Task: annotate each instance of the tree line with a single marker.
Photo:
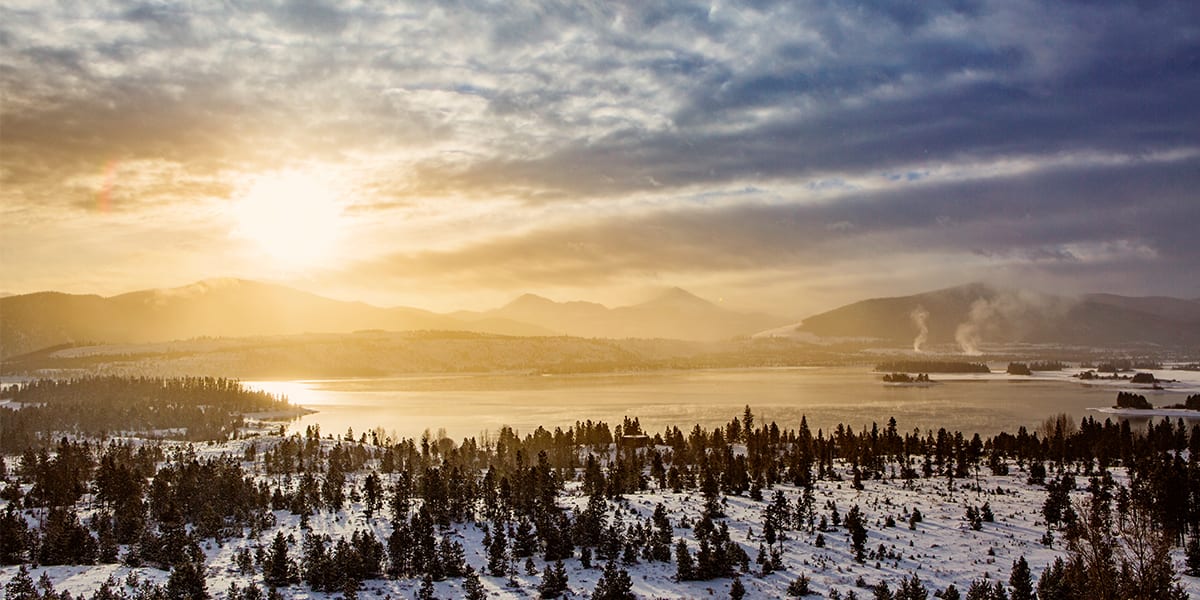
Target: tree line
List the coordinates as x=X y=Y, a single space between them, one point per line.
x=190 y=408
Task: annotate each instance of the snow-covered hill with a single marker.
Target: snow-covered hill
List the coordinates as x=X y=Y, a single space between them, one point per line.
x=942 y=548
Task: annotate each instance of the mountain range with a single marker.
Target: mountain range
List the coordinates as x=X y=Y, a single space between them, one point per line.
x=237 y=307
x=965 y=316
x=676 y=314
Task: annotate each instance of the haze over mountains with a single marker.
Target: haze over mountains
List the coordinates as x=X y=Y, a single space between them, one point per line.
x=676 y=314
x=235 y=308
x=974 y=314
x=964 y=316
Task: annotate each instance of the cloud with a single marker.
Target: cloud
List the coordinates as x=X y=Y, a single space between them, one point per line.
x=614 y=141
x=1077 y=216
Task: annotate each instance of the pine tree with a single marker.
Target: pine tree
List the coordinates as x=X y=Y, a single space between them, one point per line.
x=973 y=518
x=998 y=592
x=21 y=587
x=110 y=590
x=764 y=561
x=452 y=557
x=277 y=568
x=525 y=542
x=684 y=569
x=472 y=587
x=548 y=587
x=911 y=588
x=65 y=541
x=426 y=591
x=950 y=593
x=400 y=547
x=882 y=591
x=46 y=586
x=980 y=590
x=1021 y=580
x=858 y=532
x=799 y=587
x=106 y=541
x=554 y=581
x=557 y=537
x=1052 y=585
x=14 y=536
x=614 y=584
x=737 y=591
x=187 y=582
x=560 y=573
x=497 y=553
x=372 y=494
x=317 y=567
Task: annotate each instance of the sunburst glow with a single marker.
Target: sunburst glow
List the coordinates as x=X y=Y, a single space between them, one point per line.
x=295 y=218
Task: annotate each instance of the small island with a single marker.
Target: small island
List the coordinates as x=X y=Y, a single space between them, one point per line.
x=1141 y=378
x=906 y=380
x=1192 y=403
x=1017 y=368
x=1092 y=375
x=1130 y=404
x=1029 y=368
x=1132 y=400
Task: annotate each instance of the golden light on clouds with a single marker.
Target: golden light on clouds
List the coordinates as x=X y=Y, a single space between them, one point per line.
x=294 y=217
x=798 y=154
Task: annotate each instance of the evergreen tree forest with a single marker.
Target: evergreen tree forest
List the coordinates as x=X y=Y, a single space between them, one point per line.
x=191 y=408
x=427 y=506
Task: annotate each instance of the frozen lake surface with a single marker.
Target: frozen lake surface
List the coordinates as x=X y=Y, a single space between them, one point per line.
x=467 y=405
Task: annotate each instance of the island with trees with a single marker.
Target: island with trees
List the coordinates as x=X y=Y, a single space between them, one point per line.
x=920 y=379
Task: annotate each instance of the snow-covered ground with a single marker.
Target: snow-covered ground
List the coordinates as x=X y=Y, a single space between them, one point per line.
x=942 y=549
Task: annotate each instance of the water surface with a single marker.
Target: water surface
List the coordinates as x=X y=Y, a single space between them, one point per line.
x=467 y=405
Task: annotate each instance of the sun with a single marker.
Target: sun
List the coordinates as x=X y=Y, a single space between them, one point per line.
x=295 y=218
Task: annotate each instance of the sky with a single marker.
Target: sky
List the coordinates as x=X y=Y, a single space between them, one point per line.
x=782 y=156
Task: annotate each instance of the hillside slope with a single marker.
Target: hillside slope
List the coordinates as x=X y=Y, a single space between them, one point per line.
x=977 y=313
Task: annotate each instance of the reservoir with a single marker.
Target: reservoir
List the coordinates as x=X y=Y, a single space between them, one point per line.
x=469 y=405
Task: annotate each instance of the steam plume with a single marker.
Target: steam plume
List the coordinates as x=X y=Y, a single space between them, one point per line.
x=1006 y=316
x=969 y=332
x=918 y=316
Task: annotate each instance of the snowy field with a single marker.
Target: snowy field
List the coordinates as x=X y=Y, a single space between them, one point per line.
x=942 y=549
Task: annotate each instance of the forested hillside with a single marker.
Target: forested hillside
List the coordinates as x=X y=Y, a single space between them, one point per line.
x=1092 y=510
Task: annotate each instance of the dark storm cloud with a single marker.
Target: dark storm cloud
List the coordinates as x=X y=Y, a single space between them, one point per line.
x=1131 y=92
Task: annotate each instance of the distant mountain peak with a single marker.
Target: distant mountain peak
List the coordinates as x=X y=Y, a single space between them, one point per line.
x=528 y=301
x=679 y=296
x=972 y=289
x=205 y=286
x=216 y=283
